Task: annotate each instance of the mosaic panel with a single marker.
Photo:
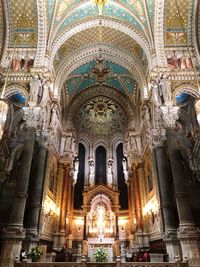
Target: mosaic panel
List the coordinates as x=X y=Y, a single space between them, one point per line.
x=23 y=23
x=100 y=36
x=100 y=72
x=177 y=20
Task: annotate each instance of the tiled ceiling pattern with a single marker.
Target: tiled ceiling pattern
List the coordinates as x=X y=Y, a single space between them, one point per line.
x=100 y=72
x=100 y=36
x=23 y=23
x=1 y=26
x=63 y=14
x=176 y=22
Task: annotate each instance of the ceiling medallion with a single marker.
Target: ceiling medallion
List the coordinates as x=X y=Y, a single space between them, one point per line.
x=100 y=4
x=100 y=71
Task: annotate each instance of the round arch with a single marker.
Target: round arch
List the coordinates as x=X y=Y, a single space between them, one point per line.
x=69 y=32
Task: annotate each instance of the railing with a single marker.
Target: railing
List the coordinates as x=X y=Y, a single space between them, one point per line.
x=154 y=264
x=104 y=264
x=48 y=264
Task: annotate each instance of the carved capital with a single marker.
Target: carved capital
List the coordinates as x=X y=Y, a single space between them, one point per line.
x=14 y=232
x=187 y=231
x=44 y=137
x=157 y=137
x=31 y=116
x=170 y=235
x=170 y=115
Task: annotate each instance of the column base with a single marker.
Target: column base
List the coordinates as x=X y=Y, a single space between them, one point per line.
x=190 y=243
x=32 y=239
x=172 y=245
x=10 y=252
x=12 y=236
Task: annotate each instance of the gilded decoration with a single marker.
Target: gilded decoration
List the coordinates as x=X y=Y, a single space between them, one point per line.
x=177 y=22
x=101 y=116
x=23 y=16
x=100 y=72
x=103 y=36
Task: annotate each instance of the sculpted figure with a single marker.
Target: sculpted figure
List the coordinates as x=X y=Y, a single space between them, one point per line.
x=110 y=172
x=165 y=90
x=125 y=169
x=44 y=93
x=91 y=171
x=76 y=169
x=35 y=86
x=155 y=93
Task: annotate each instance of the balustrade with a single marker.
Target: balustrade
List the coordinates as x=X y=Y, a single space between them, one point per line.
x=104 y=264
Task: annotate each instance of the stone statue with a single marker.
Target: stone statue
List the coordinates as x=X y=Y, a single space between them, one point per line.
x=53 y=119
x=44 y=93
x=110 y=172
x=155 y=93
x=35 y=87
x=161 y=90
x=165 y=90
x=76 y=170
x=91 y=171
x=125 y=169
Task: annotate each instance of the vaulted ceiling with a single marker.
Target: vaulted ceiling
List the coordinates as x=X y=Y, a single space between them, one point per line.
x=85 y=47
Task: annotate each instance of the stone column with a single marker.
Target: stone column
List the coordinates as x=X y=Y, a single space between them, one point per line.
x=166 y=196
x=131 y=205
x=14 y=233
x=138 y=211
x=187 y=232
x=32 y=232
x=64 y=206
x=70 y=211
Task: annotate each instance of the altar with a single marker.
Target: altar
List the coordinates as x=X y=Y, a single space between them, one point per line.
x=100 y=242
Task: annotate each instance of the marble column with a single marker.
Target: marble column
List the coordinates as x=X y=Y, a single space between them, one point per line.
x=187 y=232
x=138 y=211
x=70 y=212
x=166 y=198
x=14 y=233
x=131 y=205
x=64 y=205
x=32 y=232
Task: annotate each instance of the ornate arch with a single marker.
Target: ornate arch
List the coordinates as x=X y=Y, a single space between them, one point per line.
x=42 y=34
x=110 y=55
x=90 y=93
x=196 y=29
x=95 y=23
x=118 y=4
x=15 y=88
x=159 y=33
x=3 y=29
x=186 y=88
